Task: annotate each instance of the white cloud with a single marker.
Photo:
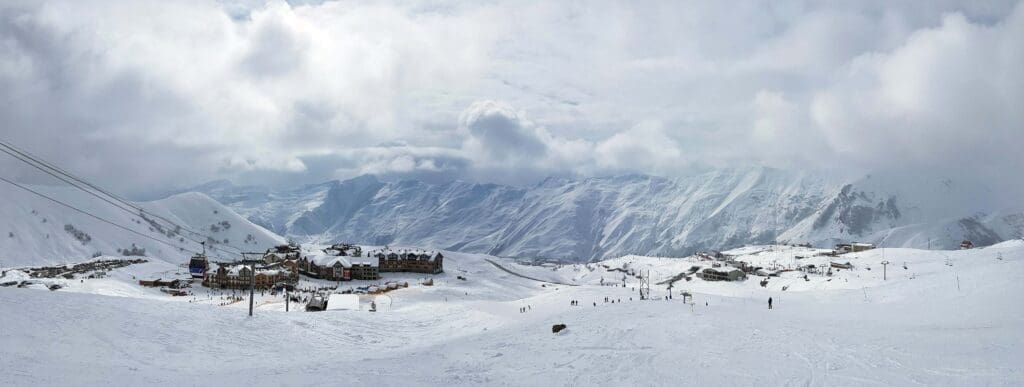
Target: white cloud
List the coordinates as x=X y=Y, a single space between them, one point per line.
x=645 y=147
x=496 y=133
x=505 y=91
x=949 y=97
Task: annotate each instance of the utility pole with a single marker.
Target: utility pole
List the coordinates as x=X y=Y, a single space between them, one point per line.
x=252 y=286
x=884 y=265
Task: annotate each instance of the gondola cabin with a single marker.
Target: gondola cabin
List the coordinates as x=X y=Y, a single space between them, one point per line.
x=198 y=265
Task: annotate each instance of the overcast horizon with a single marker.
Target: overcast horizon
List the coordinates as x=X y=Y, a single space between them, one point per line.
x=150 y=96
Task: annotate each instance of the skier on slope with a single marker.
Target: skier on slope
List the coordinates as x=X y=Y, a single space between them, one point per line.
x=769 y=303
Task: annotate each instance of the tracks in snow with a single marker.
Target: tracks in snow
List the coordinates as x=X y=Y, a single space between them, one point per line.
x=507 y=270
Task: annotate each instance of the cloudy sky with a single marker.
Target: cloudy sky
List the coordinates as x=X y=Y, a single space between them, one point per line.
x=149 y=95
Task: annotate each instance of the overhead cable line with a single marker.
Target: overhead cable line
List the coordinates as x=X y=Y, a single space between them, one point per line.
x=54 y=168
x=77 y=182
x=94 y=216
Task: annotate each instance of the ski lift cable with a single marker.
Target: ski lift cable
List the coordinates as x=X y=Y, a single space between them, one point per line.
x=95 y=216
x=50 y=169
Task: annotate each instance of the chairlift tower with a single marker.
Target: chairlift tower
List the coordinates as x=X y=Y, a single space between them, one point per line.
x=645 y=285
x=252 y=277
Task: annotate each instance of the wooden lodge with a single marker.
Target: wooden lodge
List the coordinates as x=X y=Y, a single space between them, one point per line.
x=722 y=274
x=344 y=250
x=241 y=277
x=345 y=262
x=409 y=261
x=844 y=248
x=282 y=253
x=338 y=267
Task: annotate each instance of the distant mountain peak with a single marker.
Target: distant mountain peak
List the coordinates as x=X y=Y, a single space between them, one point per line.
x=597 y=217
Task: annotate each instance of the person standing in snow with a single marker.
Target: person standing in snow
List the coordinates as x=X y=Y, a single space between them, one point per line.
x=769 y=303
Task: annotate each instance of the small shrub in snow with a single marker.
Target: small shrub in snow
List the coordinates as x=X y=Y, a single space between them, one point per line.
x=80 y=235
x=133 y=251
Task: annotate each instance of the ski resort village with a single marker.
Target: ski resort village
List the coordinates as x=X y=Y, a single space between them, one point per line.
x=184 y=290
x=511 y=193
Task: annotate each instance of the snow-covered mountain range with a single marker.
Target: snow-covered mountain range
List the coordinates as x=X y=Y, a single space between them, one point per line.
x=592 y=218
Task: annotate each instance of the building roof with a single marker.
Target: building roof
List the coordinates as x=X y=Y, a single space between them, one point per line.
x=722 y=270
x=235 y=269
x=323 y=259
x=281 y=256
x=364 y=261
x=431 y=255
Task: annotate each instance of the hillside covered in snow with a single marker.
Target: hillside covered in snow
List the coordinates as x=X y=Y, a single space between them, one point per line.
x=39 y=231
x=594 y=218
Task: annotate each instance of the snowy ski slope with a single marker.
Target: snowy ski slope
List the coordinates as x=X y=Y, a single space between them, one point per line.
x=950 y=318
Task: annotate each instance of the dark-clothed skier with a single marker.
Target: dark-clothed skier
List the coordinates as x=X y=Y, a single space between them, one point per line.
x=769 y=302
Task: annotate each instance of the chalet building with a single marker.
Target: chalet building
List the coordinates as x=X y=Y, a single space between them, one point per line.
x=291 y=265
x=365 y=270
x=966 y=245
x=282 y=253
x=241 y=277
x=409 y=261
x=722 y=274
x=844 y=248
x=338 y=268
x=344 y=250
x=711 y=255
